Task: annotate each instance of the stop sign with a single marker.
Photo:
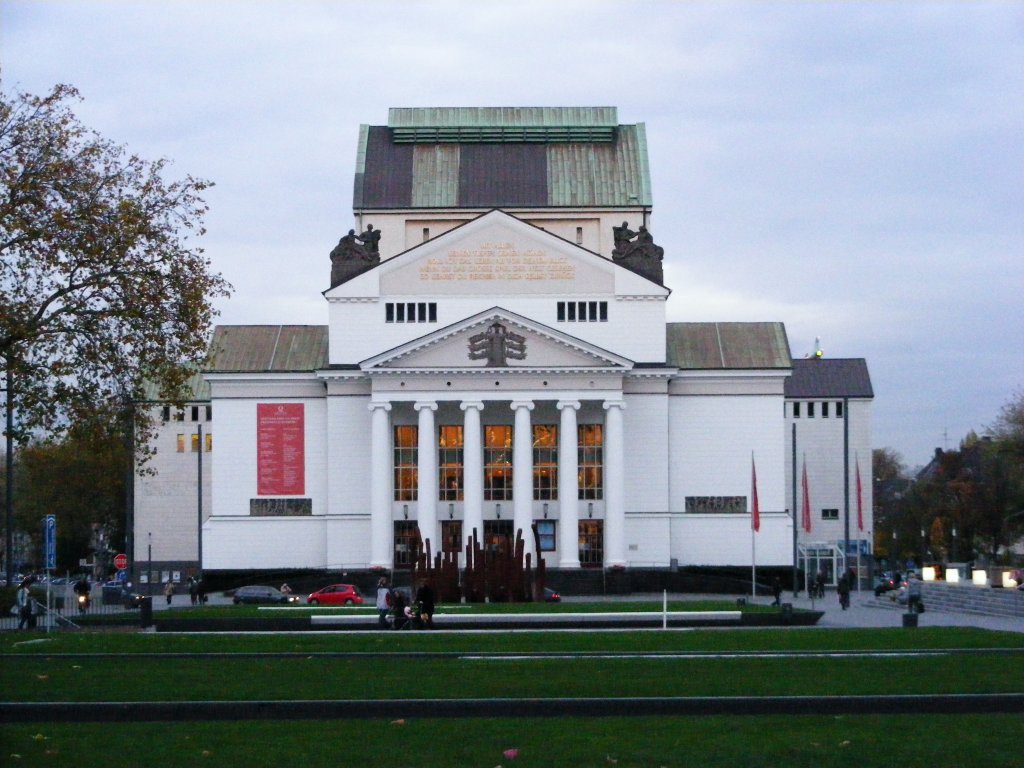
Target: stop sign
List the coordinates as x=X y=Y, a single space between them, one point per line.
x=121 y=561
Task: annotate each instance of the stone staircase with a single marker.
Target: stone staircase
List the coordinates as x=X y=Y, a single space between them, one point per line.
x=962 y=598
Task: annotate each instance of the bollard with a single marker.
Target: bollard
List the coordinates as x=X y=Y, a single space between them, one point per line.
x=787 y=613
x=146 y=612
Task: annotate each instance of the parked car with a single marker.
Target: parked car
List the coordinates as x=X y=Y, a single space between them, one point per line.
x=336 y=594
x=551 y=596
x=886 y=583
x=260 y=594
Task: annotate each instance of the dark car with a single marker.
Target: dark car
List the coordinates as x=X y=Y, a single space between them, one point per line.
x=259 y=594
x=887 y=582
x=551 y=596
x=336 y=594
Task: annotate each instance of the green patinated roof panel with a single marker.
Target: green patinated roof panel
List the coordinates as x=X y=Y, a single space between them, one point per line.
x=594 y=174
x=435 y=175
x=727 y=346
x=268 y=348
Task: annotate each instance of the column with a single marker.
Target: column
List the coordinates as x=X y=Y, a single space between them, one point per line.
x=381 y=476
x=614 y=486
x=426 y=469
x=568 y=486
x=472 y=472
x=522 y=476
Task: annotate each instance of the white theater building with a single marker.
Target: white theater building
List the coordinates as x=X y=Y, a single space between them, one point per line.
x=495 y=367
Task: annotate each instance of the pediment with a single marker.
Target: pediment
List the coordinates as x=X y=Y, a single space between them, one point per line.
x=493 y=340
x=497 y=254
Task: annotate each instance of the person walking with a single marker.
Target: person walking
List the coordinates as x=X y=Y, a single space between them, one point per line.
x=383 y=602
x=23 y=599
x=425 y=598
x=193 y=590
x=843 y=588
x=777 y=592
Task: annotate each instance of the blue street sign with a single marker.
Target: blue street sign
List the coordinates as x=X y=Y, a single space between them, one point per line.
x=122 y=576
x=50 y=537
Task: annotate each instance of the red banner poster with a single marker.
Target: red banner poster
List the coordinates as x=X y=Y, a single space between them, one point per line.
x=280 y=449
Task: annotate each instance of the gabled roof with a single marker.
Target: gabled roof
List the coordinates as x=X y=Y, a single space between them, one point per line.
x=577 y=353
x=829 y=377
x=268 y=348
x=502 y=157
x=726 y=346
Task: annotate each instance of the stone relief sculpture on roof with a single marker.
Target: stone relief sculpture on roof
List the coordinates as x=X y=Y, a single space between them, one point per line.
x=355 y=254
x=638 y=252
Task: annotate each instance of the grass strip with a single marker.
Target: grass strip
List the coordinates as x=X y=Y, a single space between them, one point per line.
x=710 y=742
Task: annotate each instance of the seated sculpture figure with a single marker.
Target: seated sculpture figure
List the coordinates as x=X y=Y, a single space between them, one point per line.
x=638 y=252
x=354 y=254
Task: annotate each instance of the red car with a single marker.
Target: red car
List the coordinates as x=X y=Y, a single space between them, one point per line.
x=336 y=594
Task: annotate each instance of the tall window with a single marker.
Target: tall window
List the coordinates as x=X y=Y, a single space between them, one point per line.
x=547 y=535
x=498 y=462
x=591 y=460
x=406 y=535
x=545 y=461
x=449 y=463
x=451 y=536
x=591 y=543
x=406 y=461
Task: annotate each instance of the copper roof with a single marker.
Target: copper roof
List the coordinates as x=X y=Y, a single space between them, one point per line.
x=268 y=348
x=533 y=157
x=727 y=346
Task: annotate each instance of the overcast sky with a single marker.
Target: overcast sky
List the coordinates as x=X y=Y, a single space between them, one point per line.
x=854 y=170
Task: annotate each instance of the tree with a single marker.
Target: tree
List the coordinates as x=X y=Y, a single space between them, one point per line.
x=101 y=283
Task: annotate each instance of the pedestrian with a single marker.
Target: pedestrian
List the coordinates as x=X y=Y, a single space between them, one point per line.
x=285 y=589
x=169 y=590
x=193 y=590
x=777 y=591
x=383 y=601
x=914 y=604
x=843 y=588
x=201 y=590
x=23 y=599
x=425 y=598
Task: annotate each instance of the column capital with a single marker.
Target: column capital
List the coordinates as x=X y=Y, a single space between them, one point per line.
x=527 y=404
x=421 y=404
x=467 y=404
x=375 y=404
x=609 y=404
x=574 y=404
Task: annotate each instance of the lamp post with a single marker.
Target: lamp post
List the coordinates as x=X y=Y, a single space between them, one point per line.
x=149 y=564
x=954 y=543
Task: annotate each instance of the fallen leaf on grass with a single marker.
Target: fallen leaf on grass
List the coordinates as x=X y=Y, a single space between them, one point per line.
x=38 y=737
x=206 y=753
x=844 y=743
x=398 y=722
x=42 y=677
x=611 y=759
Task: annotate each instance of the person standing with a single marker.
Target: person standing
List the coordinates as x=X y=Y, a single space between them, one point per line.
x=383 y=602
x=22 y=598
x=425 y=598
x=777 y=592
x=169 y=591
x=843 y=588
x=193 y=590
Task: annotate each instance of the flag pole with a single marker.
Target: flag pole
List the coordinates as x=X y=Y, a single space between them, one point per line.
x=755 y=523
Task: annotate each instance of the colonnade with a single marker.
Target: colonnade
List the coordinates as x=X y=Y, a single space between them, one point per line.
x=567 y=506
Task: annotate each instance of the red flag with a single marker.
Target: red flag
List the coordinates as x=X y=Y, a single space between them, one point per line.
x=806 y=509
x=755 y=510
x=860 y=500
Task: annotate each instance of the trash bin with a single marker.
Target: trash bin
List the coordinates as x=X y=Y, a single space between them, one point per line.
x=909 y=620
x=146 y=612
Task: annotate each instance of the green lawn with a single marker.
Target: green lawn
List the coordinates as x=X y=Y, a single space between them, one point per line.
x=131 y=666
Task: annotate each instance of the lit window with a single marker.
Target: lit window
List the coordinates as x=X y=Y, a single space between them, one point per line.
x=208 y=440
x=406 y=460
x=590 y=450
x=498 y=462
x=181 y=443
x=195 y=442
x=450 y=462
x=545 y=461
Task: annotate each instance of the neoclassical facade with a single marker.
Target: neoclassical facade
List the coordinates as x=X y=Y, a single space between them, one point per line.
x=496 y=359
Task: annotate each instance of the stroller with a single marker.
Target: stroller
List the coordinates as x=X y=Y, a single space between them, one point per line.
x=404 y=615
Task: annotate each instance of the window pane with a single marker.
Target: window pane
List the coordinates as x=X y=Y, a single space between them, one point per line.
x=450 y=463
x=406 y=456
x=498 y=462
x=545 y=461
x=591 y=460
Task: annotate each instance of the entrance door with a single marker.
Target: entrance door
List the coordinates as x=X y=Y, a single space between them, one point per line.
x=591 y=543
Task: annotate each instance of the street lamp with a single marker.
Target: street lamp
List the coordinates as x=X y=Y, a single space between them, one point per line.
x=149 y=564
